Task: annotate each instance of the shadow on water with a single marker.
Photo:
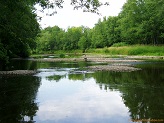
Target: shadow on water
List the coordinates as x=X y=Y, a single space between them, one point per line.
x=18 y=99
x=19 y=65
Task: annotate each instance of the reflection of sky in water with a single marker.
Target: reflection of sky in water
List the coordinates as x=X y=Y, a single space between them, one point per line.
x=69 y=101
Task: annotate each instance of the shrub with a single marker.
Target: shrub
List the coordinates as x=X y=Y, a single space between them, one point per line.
x=62 y=56
x=106 y=50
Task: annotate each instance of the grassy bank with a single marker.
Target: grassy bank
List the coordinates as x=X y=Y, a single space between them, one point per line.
x=131 y=50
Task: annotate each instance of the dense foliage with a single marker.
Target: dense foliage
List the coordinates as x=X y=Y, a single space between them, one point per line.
x=55 y=38
x=139 y=22
x=19 y=26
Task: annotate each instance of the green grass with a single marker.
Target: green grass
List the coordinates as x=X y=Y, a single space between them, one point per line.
x=120 y=44
x=147 y=50
x=140 y=50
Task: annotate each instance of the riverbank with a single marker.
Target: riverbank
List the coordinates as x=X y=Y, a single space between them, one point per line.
x=137 y=50
x=88 y=58
x=94 y=57
x=17 y=72
x=117 y=63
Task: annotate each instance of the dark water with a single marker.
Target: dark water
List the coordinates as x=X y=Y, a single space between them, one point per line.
x=62 y=93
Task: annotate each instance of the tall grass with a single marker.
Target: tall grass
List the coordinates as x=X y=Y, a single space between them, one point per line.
x=131 y=50
x=118 y=49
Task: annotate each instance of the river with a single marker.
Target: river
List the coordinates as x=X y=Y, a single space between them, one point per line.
x=62 y=92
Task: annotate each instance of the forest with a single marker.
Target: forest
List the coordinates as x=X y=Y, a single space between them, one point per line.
x=139 y=22
x=19 y=25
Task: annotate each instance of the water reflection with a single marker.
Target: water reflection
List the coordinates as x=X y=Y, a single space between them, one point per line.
x=19 y=65
x=142 y=92
x=61 y=92
x=77 y=101
x=18 y=99
x=103 y=96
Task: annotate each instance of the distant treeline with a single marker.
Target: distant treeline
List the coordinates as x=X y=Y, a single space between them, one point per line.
x=139 y=22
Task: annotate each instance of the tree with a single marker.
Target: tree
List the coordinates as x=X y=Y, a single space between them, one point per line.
x=54 y=38
x=141 y=21
x=73 y=36
x=49 y=39
x=85 y=39
x=112 y=30
x=99 y=38
x=86 y=5
x=83 y=43
x=19 y=26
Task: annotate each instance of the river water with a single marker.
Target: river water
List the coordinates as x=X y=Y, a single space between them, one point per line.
x=62 y=93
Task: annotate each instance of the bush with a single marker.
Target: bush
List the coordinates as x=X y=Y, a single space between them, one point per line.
x=62 y=56
x=106 y=50
x=137 y=51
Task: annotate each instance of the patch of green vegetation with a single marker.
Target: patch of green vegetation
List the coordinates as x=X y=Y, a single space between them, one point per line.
x=139 y=50
x=120 y=44
x=55 y=77
x=106 y=50
x=147 y=50
x=62 y=55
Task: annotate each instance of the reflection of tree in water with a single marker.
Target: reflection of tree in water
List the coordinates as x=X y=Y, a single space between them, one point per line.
x=81 y=76
x=142 y=91
x=17 y=99
x=56 y=78
x=19 y=65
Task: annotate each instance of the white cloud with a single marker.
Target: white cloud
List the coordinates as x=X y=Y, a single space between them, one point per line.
x=88 y=103
x=68 y=17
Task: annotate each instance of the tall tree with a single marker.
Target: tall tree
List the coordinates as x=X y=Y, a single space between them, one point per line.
x=73 y=36
x=49 y=39
x=141 y=21
x=99 y=39
x=18 y=27
x=112 y=30
x=85 y=41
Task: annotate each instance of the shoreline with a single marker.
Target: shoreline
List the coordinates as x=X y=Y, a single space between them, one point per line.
x=117 y=64
x=17 y=72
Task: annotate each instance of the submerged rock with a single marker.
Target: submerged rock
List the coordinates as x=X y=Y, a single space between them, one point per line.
x=119 y=68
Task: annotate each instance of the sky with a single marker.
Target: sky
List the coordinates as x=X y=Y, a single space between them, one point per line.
x=68 y=17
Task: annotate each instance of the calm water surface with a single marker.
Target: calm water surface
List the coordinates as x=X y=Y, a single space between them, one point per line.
x=62 y=93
